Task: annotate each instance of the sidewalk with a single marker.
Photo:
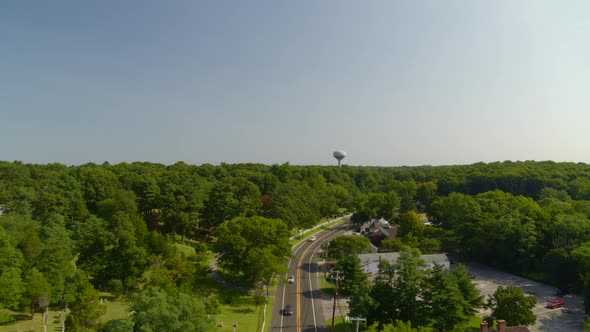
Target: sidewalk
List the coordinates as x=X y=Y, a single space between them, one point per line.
x=333 y=221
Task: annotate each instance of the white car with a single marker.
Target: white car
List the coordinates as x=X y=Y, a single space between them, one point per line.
x=291 y=279
x=312 y=238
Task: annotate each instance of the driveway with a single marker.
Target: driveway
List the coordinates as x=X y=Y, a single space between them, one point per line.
x=567 y=319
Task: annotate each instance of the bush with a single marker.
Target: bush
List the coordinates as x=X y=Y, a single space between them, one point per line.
x=429 y=246
x=115 y=286
x=6 y=317
x=118 y=325
x=213 y=306
x=201 y=251
x=227 y=298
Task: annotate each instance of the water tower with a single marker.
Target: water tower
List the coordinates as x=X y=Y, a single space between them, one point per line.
x=339 y=154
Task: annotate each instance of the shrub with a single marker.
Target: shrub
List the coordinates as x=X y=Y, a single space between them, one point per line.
x=6 y=317
x=213 y=306
x=115 y=286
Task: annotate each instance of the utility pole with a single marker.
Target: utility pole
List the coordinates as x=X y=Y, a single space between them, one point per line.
x=335 y=295
x=326 y=261
x=358 y=320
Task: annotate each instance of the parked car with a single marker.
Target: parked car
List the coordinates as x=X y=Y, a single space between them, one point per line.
x=555 y=303
x=288 y=311
x=291 y=279
x=312 y=238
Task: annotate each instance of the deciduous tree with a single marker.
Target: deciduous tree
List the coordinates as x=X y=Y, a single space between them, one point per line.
x=443 y=301
x=345 y=245
x=352 y=273
x=85 y=309
x=510 y=304
x=158 y=311
x=241 y=239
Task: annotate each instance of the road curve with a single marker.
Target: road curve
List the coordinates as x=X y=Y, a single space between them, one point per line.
x=304 y=294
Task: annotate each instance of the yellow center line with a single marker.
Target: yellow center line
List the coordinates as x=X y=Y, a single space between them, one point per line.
x=297 y=288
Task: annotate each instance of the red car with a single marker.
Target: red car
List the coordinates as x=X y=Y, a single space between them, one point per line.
x=556 y=303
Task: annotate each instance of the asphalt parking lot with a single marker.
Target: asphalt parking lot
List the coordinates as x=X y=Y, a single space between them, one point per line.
x=567 y=319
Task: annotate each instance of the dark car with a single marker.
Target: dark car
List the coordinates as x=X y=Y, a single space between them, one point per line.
x=556 y=303
x=288 y=311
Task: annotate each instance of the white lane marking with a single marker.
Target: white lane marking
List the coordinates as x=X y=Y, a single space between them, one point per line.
x=317 y=280
x=297 y=247
x=311 y=288
x=282 y=306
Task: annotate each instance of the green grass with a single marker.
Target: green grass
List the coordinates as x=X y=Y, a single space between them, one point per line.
x=473 y=324
x=327 y=286
x=339 y=325
x=186 y=249
x=115 y=309
x=236 y=307
x=26 y=324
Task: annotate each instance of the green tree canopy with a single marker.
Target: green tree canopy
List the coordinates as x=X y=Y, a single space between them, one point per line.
x=85 y=309
x=443 y=301
x=157 y=311
x=345 y=245
x=510 y=304
x=351 y=273
x=241 y=240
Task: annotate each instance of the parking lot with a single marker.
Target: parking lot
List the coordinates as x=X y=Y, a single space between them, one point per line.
x=567 y=319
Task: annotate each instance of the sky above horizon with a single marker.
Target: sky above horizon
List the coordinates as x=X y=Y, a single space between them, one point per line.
x=390 y=82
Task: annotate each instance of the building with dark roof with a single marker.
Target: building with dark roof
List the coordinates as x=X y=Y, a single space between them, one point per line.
x=378 y=230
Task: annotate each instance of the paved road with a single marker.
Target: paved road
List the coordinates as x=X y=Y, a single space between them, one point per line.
x=303 y=295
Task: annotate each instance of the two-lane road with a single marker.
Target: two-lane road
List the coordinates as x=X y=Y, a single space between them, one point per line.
x=303 y=294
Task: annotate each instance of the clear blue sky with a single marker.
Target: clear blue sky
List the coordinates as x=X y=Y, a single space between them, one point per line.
x=390 y=82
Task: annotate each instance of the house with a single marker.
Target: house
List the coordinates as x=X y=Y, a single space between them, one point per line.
x=370 y=262
x=483 y=327
x=378 y=230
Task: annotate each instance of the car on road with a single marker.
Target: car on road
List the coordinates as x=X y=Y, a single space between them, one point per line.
x=291 y=279
x=288 y=311
x=312 y=238
x=555 y=303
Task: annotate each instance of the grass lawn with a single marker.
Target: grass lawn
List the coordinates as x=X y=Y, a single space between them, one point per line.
x=115 y=309
x=473 y=324
x=326 y=286
x=236 y=307
x=36 y=324
x=186 y=249
x=339 y=325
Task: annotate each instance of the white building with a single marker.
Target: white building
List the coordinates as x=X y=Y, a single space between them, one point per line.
x=370 y=262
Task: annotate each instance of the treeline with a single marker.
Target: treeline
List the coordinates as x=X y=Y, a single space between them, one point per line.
x=117 y=223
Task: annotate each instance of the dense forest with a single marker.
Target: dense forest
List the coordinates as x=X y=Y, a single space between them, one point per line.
x=68 y=231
